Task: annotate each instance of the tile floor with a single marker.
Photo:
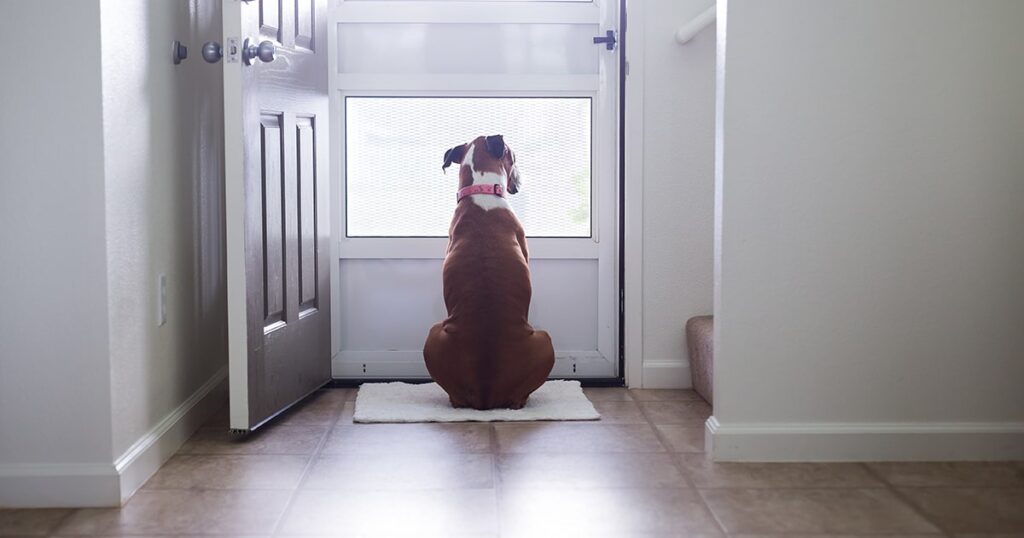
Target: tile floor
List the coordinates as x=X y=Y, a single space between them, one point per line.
x=640 y=471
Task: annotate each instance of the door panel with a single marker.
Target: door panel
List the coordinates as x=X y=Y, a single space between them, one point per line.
x=277 y=210
x=305 y=141
x=271 y=198
x=270 y=19
x=304 y=23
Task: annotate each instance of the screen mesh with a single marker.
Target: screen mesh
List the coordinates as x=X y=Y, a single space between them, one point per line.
x=395 y=147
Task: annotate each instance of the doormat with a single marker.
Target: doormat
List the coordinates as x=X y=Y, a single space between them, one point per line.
x=406 y=402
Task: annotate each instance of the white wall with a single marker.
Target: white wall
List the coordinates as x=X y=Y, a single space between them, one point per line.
x=870 y=294
x=677 y=87
x=112 y=174
x=164 y=199
x=54 y=382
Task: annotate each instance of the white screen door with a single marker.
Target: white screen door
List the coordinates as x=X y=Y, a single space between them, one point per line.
x=411 y=79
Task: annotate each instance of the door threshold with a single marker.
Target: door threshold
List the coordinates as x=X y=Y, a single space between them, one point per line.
x=350 y=382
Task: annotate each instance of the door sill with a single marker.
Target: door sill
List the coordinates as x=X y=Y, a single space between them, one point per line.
x=362 y=366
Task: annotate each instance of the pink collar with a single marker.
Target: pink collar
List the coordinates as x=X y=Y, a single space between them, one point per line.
x=495 y=189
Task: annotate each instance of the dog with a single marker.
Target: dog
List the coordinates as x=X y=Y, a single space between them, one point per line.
x=485 y=354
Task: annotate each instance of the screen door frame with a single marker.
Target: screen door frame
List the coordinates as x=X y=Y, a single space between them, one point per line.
x=604 y=91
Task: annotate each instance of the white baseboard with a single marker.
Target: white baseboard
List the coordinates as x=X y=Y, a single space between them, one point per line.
x=62 y=485
x=58 y=485
x=156 y=446
x=893 y=441
x=666 y=374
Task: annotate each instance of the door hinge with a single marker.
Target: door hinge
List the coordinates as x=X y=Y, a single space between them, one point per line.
x=608 y=39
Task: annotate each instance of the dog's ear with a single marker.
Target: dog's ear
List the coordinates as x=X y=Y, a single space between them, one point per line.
x=513 y=172
x=496 y=146
x=454 y=155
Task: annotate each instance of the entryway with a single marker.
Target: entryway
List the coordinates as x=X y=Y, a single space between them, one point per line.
x=336 y=121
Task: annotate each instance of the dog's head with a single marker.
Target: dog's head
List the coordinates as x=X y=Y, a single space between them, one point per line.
x=485 y=154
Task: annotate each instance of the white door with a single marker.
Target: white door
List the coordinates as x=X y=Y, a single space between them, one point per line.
x=412 y=79
x=276 y=190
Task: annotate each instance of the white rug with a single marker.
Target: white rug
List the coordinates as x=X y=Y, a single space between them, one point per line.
x=405 y=402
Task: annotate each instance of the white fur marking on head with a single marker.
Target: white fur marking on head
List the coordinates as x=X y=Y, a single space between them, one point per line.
x=486 y=201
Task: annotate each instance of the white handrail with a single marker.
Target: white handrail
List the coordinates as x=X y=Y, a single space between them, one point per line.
x=687 y=31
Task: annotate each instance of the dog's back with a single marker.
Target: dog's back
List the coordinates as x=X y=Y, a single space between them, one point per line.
x=486 y=275
x=485 y=354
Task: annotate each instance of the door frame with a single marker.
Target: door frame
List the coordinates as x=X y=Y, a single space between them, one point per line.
x=629 y=204
x=234 y=241
x=631 y=125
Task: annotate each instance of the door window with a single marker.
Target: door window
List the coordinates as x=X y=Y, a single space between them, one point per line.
x=393 y=160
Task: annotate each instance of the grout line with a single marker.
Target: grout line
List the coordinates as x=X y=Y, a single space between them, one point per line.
x=496 y=477
x=276 y=528
x=657 y=433
x=63 y=520
x=675 y=458
x=905 y=500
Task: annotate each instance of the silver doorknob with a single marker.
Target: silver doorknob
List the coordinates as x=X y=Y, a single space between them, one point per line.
x=264 y=52
x=212 y=52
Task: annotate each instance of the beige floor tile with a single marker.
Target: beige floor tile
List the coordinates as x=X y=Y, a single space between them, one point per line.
x=831 y=511
x=704 y=473
x=972 y=510
x=417 y=513
x=680 y=438
x=347 y=412
x=316 y=409
x=952 y=474
x=321 y=407
x=219 y=419
x=184 y=512
x=30 y=522
x=339 y=395
x=897 y=535
x=402 y=471
x=273 y=439
x=649 y=395
x=415 y=438
x=568 y=471
x=607 y=394
x=566 y=437
x=229 y=472
x=620 y=412
x=687 y=412
x=343 y=532
x=997 y=535
x=602 y=512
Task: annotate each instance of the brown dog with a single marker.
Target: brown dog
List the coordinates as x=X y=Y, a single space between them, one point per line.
x=485 y=354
